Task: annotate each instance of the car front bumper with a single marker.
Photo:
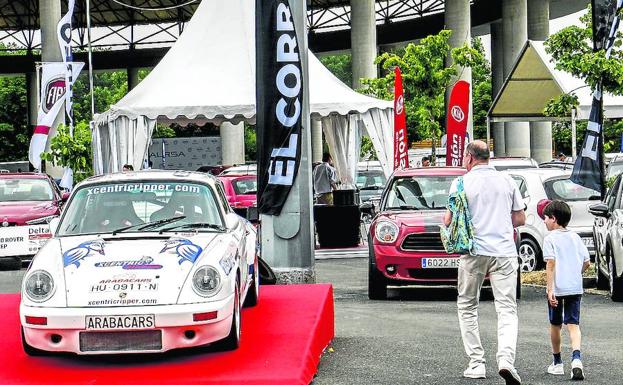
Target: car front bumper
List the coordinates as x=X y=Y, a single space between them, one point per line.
x=173 y=322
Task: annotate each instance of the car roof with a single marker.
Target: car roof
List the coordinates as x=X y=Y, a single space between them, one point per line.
x=430 y=171
x=151 y=175
x=23 y=175
x=542 y=172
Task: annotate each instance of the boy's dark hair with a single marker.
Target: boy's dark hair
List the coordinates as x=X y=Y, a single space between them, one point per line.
x=559 y=210
x=326 y=156
x=426 y=158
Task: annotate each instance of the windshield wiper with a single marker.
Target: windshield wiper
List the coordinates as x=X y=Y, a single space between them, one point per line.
x=143 y=226
x=196 y=225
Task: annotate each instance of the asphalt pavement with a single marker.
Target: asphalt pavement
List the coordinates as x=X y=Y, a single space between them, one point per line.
x=413 y=337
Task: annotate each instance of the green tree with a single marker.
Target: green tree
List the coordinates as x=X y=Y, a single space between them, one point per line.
x=14 y=131
x=572 y=51
x=481 y=90
x=426 y=76
x=340 y=65
x=72 y=151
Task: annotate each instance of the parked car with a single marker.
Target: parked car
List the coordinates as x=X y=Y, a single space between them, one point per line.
x=370 y=181
x=141 y=263
x=507 y=163
x=245 y=169
x=28 y=201
x=240 y=191
x=608 y=234
x=536 y=185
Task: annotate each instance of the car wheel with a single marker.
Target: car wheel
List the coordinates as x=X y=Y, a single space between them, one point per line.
x=616 y=283
x=232 y=341
x=601 y=279
x=253 y=294
x=377 y=284
x=31 y=351
x=528 y=255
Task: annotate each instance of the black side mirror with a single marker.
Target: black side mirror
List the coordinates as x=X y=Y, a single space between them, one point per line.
x=594 y=198
x=599 y=210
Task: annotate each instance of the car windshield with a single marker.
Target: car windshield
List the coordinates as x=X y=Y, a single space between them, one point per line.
x=566 y=190
x=245 y=186
x=17 y=190
x=419 y=193
x=114 y=207
x=370 y=180
x=614 y=169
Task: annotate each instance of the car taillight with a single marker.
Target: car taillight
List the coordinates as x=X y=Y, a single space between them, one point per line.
x=36 y=320
x=197 y=317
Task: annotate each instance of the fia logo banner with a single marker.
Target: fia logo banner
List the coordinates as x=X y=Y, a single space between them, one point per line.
x=54 y=91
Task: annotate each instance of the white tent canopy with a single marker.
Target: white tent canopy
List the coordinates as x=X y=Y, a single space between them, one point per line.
x=209 y=76
x=534 y=81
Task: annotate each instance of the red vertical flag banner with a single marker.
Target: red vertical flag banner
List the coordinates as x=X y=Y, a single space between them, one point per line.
x=458 y=109
x=401 y=156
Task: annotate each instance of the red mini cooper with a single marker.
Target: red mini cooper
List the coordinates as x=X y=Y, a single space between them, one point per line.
x=404 y=241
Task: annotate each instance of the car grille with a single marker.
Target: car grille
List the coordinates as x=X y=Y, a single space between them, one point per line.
x=423 y=242
x=137 y=340
x=447 y=274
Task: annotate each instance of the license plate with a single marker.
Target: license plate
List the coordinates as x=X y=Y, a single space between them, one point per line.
x=587 y=242
x=440 y=263
x=120 y=322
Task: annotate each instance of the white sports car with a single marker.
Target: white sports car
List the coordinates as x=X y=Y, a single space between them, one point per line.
x=141 y=262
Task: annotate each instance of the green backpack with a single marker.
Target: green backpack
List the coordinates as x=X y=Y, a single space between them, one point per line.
x=458 y=237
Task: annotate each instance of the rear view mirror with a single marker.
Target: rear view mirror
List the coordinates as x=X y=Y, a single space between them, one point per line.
x=599 y=210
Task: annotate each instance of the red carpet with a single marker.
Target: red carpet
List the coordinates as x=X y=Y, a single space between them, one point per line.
x=282 y=340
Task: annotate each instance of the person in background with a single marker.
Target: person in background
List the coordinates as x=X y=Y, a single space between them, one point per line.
x=562 y=157
x=496 y=206
x=127 y=167
x=325 y=179
x=567 y=258
x=426 y=161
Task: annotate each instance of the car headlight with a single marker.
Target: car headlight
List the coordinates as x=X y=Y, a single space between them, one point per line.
x=41 y=221
x=206 y=281
x=39 y=286
x=386 y=232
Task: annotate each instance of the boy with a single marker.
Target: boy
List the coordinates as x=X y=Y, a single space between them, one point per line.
x=567 y=258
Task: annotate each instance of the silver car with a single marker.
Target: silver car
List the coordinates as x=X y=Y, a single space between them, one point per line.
x=538 y=184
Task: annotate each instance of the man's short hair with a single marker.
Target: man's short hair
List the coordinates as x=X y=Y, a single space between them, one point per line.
x=478 y=152
x=560 y=211
x=326 y=156
x=426 y=158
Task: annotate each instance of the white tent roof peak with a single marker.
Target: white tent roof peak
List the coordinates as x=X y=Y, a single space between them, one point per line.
x=209 y=74
x=534 y=81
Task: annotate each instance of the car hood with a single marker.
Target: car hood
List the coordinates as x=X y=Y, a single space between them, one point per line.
x=425 y=220
x=21 y=212
x=129 y=270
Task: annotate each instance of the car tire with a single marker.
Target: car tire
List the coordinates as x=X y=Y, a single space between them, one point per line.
x=529 y=255
x=232 y=341
x=253 y=294
x=616 y=283
x=601 y=279
x=377 y=283
x=31 y=351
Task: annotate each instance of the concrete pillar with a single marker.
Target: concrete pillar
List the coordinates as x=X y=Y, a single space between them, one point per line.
x=515 y=34
x=32 y=98
x=316 y=139
x=132 y=78
x=49 y=16
x=232 y=143
x=540 y=132
x=497 y=79
x=457 y=19
x=363 y=40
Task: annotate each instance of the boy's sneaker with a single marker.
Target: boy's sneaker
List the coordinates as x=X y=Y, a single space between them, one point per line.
x=556 y=369
x=577 y=370
x=475 y=371
x=510 y=375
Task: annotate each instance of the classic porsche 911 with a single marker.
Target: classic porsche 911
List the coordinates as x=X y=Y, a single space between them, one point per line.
x=141 y=262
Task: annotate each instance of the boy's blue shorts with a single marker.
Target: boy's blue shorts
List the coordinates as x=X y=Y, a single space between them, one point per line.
x=567 y=311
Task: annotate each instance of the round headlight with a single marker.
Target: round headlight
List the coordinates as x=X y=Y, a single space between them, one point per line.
x=206 y=281
x=386 y=232
x=39 y=286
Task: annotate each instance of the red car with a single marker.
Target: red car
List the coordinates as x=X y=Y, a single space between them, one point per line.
x=28 y=201
x=241 y=190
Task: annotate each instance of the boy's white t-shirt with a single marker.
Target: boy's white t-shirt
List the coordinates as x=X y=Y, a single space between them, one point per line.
x=567 y=249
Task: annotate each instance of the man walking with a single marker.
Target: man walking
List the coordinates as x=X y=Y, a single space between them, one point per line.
x=324 y=177
x=496 y=206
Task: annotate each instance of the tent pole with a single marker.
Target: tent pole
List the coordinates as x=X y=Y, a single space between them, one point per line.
x=488 y=133
x=90 y=59
x=573 y=135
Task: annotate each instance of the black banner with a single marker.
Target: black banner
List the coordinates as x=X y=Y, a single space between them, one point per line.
x=279 y=103
x=603 y=15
